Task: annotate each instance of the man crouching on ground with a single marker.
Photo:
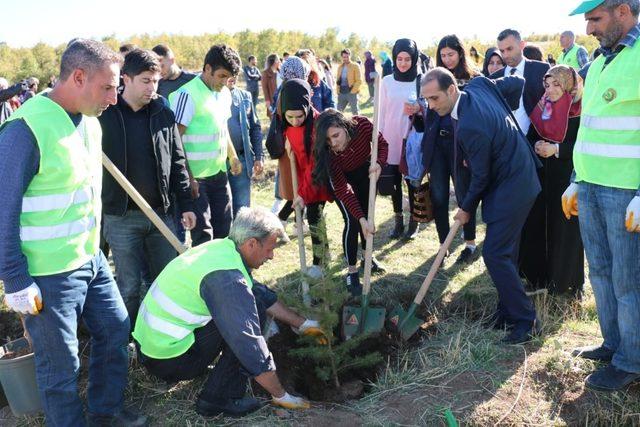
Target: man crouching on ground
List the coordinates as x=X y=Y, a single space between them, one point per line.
x=205 y=302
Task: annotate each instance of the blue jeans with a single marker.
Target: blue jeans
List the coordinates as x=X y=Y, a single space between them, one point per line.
x=614 y=269
x=91 y=293
x=213 y=209
x=137 y=246
x=240 y=189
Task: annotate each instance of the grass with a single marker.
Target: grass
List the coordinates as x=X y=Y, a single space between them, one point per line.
x=455 y=364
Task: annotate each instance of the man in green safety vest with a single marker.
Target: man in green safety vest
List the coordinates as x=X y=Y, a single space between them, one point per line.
x=572 y=54
x=50 y=263
x=202 y=107
x=206 y=302
x=606 y=188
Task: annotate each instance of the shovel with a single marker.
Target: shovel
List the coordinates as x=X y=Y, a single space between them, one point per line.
x=306 y=298
x=142 y=203
x=364 y=319
x=407 y=323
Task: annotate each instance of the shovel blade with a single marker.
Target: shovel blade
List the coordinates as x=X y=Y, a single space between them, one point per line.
x=405 y=322
x=354 y=316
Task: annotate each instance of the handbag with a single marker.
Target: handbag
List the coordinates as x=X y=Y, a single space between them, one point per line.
x=386 y=180
x=422 y=210
x=275 y=142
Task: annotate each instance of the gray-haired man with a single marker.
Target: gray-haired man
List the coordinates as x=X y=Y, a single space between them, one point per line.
x=206 y=302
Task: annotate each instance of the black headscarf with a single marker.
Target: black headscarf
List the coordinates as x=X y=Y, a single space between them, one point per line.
x=295 y=94
x=408 y=46
x=487 y=57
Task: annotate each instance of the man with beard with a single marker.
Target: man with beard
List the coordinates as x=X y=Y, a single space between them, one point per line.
x=606 y=185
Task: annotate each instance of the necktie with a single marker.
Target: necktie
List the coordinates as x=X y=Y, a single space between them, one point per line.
x=513 y=71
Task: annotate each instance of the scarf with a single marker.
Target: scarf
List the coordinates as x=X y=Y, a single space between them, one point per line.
x=295 y=94
x=408 y=46
x=551 y=119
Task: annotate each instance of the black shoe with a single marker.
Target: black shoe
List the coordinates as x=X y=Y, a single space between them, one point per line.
x=397 y=231
x=497 y=321
x=466 y=256
x=594 y=352
x=412 y=230
x=610 y=378
x=523 y=332
x=353 y=284
x=230 y=407
x=126 y=418
x=376 y=267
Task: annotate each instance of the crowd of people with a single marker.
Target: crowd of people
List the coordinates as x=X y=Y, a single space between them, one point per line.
x=548 y=150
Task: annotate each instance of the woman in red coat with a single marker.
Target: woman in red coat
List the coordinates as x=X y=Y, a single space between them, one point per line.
x=296 y=116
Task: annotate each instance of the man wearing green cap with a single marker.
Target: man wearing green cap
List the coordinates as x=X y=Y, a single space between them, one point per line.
x=606 y=188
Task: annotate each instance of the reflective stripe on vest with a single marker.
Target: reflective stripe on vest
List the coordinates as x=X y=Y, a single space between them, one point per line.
x=174 y=309
x=55 y=201
x=611 y=123
x=162 y=325
x=608 y=150
x=201 y=139
x=204 y=155
x=47 y=232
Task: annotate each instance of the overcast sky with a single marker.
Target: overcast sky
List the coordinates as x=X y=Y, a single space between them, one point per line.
x=425 y=21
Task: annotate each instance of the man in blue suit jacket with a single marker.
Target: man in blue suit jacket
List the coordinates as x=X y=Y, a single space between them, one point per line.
x=493 y=163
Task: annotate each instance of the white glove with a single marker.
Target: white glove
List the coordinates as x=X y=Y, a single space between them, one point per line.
x=312 y=328
x=570 y=200
x=632 y=219
x=290 y=402
x=26 y=301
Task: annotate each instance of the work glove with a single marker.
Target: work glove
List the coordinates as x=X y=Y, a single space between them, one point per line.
x=632 y=219
x=570 y=200
x=311 y=328
x=290 y=402
x=26 y=301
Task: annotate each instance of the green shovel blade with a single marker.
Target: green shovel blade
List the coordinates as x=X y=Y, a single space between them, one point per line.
x=405 y=322
x=356 y=321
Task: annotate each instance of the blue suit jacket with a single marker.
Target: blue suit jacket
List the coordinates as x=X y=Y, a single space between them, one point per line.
x=534 y=72
x=500 y=165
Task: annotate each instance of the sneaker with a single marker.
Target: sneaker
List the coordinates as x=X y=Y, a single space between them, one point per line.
x=125 y=417
x=412 y=230
x=610 y=378
x=594 y=352
x=523 y=332
x=376 y=266
x=466 y=256
x=353 y=284
x=284 y=238
x=229 y=407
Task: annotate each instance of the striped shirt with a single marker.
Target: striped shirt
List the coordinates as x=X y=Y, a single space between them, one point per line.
x=357 y=153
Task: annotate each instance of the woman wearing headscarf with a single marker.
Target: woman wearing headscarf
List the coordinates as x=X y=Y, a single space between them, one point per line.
x=551 y=251
x=342 y=154
x=492 y=61
x=451 y=55
x=293 y=120
x=322 y=95
x=398 y=99
x=386 y=64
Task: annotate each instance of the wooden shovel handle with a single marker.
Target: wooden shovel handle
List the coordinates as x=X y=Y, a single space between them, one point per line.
x=436 y=264
x=142 y=203
x=368 y=253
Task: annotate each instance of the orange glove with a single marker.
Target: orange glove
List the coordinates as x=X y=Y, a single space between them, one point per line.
x=632 y=218
x=311 y=328
x=570 y=200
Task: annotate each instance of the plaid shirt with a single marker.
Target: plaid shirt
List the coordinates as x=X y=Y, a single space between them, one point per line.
x=582 y=55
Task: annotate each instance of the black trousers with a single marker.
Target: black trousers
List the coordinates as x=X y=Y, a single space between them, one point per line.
x=359 y=181
x=320 y=242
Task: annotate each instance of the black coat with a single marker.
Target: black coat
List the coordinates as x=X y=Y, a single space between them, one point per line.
x=173 y=179
x=494 y=161
x=534 y=72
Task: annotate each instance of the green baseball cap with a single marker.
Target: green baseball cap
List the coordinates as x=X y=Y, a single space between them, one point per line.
x=586 y=6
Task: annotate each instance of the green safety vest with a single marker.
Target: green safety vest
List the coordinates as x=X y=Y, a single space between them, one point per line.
x=173 y=307
x=205 y=139
x=571 y=57
x=60 y=218
x=607 y=150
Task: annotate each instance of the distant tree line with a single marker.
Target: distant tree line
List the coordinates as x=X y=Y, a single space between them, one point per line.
x=43 y=60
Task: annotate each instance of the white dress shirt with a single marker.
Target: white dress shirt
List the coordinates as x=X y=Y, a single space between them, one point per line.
x=521 y=114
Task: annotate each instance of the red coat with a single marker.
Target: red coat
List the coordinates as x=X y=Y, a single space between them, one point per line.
x=309 y=192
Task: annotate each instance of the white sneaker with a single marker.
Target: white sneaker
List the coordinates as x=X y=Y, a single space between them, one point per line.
x=285 y=237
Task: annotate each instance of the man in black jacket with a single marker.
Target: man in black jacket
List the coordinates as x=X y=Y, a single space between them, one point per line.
x=494 y=164
x=140 y=136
